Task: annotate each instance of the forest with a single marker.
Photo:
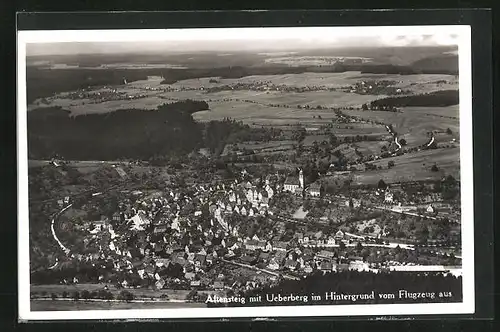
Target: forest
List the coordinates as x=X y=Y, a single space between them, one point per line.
x=135 y=134
x=434 y=99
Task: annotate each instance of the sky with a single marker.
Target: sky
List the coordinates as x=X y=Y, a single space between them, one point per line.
x=227 y=40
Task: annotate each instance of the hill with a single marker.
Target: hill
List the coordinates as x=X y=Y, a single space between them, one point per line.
x=437 y=64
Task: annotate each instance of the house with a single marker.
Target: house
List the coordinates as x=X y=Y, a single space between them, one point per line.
x=308 y=268
x=325 y=254
x=160 y=229
x=195 y=283
x=291 y=184
x=150 y=270
x=326 y=266
x=273 y=265
x=331 y=240
x=430 y=209
x=163 y=262
x=255 y=244
x=160 y=284
x=339 y=235
x=300 y=237
x=116 y=217
x=358 y=265
x=247 y=259
x=291 y=264
x=280 y=245
x=189 y=275
x=218 y=285
x=199 y=260
x=264 y=256
x=389 y=197
x=315 y=189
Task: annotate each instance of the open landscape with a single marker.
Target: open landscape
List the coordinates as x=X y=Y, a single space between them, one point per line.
x=169 y=179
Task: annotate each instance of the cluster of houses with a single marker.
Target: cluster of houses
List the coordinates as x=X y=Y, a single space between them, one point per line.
x=288 y=256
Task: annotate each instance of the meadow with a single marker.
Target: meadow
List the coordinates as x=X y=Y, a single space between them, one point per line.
x=413 y=167
x=412 y=125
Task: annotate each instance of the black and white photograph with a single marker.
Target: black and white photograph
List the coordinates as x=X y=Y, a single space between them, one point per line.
x=245 y=172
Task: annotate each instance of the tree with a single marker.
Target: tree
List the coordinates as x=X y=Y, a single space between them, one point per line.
x=448 y=131
x=85 y=294
x=381 y=184
x=434 y=168
x=402 y=141
x=53 y=296
x=76 y=296
x=192 y=295
x=332 y=139
x=359 y=247
x=390 y=164
x=364 y=107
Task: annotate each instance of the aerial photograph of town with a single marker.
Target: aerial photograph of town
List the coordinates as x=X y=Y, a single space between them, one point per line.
x=227 y=173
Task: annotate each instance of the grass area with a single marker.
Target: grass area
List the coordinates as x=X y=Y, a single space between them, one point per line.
x=50 y=305
x=410 y=125
x=263 y=115
x=139 y=293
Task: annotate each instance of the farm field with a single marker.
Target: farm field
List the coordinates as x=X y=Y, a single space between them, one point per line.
x=412 y=126
x=448 y=111
x=311 y=98
x=262 y=115
x=413 y=167
x=337 y=80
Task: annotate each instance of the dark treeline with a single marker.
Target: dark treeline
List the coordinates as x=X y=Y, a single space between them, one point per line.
x=354 y=282
x=434 y=99
x=135 y=134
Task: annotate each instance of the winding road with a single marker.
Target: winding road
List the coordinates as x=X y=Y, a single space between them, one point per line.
x=54 y=235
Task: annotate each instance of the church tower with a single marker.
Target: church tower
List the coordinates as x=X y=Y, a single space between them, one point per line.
x=301 y=179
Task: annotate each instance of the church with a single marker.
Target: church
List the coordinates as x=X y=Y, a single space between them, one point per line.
x=295 y=184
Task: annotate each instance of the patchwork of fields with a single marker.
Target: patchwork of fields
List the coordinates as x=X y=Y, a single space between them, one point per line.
x=286 y=109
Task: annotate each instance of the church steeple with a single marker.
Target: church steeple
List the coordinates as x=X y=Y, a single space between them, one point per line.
x=301 y=179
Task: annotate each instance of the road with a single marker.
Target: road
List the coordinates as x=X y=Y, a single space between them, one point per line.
x=54 y=235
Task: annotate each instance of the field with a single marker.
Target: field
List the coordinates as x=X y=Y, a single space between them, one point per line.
x=262 y=115
x=413 y=167
x=139 y=293
x=413 y=124
x=337 y=80
x=269 y=107
x=55 y=305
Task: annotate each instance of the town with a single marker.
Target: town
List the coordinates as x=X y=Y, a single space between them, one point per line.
x=233 y=235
